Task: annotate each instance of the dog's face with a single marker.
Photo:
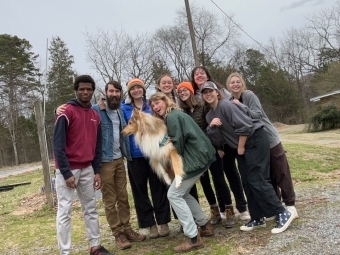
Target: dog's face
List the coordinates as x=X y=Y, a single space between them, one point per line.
x=132 y=126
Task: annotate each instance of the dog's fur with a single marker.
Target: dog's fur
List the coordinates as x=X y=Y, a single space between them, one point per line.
x=149 y=132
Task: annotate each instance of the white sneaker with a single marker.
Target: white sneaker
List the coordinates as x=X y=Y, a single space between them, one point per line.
x=293 y=210
x=223 y=215
x=244 y=215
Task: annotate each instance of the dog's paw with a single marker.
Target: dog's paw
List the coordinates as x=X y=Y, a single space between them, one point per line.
x=178 y=180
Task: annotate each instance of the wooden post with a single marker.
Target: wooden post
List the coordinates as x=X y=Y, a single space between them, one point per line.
x=43 y=151
x=192 y=34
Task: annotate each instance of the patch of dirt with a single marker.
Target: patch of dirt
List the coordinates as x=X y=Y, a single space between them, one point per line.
x=30 y=204
x=279 y=124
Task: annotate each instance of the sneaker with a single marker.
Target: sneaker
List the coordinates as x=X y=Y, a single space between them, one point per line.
x=223 y=217
x=122 y=242
x=269 y=218
x=293 y=210
x=230 y=217
x=133 y=236
x=164 y=230
x=189 y=246
x=100 y=251
x=244 y=216
x=215 y=215
x=283 y=221
x=253 y=224
x=206 y=230
x=153 y=233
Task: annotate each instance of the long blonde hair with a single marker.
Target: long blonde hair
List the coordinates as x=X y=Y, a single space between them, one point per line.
x=169 y=103
x=238 y=75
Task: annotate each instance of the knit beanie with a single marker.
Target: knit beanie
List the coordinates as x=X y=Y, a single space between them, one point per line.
x=135 y=82
x=185 y=84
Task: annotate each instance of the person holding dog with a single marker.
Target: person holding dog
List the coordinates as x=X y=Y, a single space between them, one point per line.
x=228 y=124
x=140 y=172
x=113 y=174
x=197 y=154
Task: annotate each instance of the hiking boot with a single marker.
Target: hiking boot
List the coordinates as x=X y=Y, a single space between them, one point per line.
x=164 y=230
x=215 y=215
x=100 y=251
x=244 y=216
x=253 y=224
x=122 y=242
x=230 y=217
x=133 y=236
x=189 y=246
x=206 y=230
x=153 y=233
x=293 y=210
x=283 y=221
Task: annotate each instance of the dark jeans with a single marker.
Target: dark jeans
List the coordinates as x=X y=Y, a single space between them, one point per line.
x=254 y=169
x=234 y=179
x=148 y=214
x=280 y=175
x=221 y=187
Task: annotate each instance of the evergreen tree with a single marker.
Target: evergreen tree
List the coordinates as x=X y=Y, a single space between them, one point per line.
x=17 y=85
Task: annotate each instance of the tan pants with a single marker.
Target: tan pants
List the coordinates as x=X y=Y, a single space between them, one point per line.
x=115 y=196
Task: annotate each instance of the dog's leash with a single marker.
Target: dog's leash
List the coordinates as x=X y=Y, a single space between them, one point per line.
x=166 y=139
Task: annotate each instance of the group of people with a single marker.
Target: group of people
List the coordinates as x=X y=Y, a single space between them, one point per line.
x=210 y=125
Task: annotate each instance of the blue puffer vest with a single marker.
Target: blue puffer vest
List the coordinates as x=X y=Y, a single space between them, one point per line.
x=107 y=133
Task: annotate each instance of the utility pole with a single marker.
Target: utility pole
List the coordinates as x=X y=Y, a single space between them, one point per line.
x=192 y=34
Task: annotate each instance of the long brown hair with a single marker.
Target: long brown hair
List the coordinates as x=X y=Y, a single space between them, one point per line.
x=169 y=103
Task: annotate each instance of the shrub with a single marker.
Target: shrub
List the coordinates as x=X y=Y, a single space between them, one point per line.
x=324 y=119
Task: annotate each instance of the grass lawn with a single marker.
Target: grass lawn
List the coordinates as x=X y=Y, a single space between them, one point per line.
x=29 y=228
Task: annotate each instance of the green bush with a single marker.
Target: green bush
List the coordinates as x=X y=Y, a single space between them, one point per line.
x=324 y=119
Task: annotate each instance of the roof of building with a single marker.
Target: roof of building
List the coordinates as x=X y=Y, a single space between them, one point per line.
x=315 y=99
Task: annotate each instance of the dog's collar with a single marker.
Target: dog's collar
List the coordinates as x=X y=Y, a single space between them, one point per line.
x=165 y=140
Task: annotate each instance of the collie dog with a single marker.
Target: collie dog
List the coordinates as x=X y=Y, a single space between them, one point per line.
x=152 y=139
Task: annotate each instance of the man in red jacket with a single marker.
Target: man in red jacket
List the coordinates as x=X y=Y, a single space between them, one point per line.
x=77 y=152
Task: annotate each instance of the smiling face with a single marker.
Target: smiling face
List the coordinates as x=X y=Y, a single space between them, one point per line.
x=200 y=77
x=166 y=85
x=210 y=96
x=159 y=106
x=84 y=93
x=184 y=94
x=235 y=85
x=136 y=92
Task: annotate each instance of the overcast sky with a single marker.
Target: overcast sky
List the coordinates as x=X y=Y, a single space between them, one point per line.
x=39 y=20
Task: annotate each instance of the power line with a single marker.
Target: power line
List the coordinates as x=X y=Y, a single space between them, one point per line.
x=238 y=25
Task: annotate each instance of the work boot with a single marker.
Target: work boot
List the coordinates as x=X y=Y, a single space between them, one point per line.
x=189 y=246
x=215 y=215
x=153 y=233
x=164 y=230
x=230 y=217
x=122 y=242
x=133 y=236
x=206 y=230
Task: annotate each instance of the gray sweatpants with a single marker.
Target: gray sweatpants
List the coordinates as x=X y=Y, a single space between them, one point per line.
x=186 y=206
x=86 y=194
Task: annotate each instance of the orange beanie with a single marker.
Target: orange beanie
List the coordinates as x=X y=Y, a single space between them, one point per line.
x=186 y=84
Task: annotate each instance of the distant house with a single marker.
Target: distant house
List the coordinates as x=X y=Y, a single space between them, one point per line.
x=327 y=99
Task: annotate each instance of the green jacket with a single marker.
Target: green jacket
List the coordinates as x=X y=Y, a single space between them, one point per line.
x=191 y=143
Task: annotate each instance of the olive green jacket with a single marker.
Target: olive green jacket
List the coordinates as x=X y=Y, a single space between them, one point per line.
x=191 y=143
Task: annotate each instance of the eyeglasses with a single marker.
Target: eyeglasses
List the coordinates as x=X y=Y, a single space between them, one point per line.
x=184 y=90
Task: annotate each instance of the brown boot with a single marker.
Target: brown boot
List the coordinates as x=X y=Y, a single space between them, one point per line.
x=215 y=216
x=153 y=233
x=133 y=236
x=164 y=230
x=230 y=217
x=206 y=230
x=121 y=241
x=189 y=246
